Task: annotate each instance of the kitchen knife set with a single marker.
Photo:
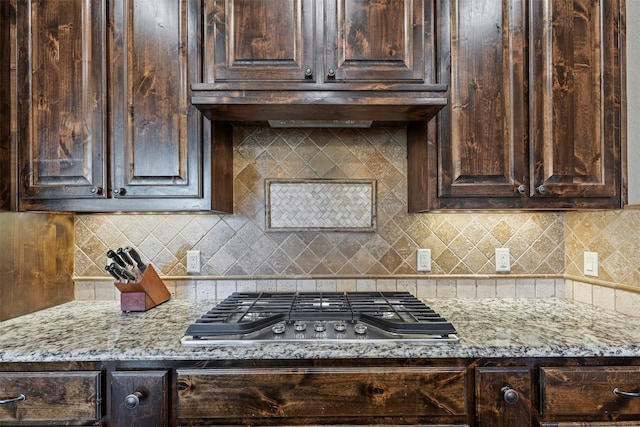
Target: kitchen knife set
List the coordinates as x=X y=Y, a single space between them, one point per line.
x=126 y=266
x=140 y=286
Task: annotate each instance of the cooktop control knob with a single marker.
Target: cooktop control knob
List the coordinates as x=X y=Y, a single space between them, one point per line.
x=360 y=328
x=278 y=328
x=299 y=326
x=340 y=326
x=319 y=327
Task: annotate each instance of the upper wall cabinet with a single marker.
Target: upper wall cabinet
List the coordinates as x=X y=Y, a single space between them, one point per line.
x=312 y=59
x=137 y=145
x=535 y=118
x=277 y=43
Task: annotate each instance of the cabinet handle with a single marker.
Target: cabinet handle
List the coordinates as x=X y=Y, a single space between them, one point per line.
x=522 y=189
x=619 y=392
x=509 y=395
x=96 y=190
x=308 y=73
x=331 y=73
x=541 y=189
x=133 y=400
x=119 y=192
x=20 y=398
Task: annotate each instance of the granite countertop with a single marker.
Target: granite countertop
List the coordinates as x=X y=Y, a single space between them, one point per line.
x=95 y=331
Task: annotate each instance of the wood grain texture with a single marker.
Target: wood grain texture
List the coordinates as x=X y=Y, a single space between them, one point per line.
x=36 y=262
x=61 y=397
x=491 y=408
x=7 y=190
x=316 y=393
x=153 y=409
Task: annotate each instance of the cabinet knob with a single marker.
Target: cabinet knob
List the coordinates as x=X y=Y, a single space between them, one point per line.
x=20 y=398
x=96 y=190
x=308 y=73
x=522 y=189
x=541 y=189
x=119 y=192
x=331 y=73
x=133 y=400
x=619 y=392
x=510 y=395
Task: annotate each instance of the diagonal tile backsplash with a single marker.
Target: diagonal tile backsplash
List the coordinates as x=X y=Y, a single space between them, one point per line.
x=239 y=245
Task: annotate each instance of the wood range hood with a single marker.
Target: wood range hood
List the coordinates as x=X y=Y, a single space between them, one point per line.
x=324 y=106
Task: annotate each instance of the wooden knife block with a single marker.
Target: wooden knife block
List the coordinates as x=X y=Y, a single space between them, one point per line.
x=145 y=293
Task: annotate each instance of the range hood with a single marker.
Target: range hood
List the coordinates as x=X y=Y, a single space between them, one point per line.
x=333 y=107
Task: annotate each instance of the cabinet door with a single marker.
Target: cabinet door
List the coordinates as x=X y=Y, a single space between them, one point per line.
x=61 y=98
x=375 y=41
x=154 y=131
x=575 y=98
x=503 y=397
x=481 y=133
x=139 y=398
x=256 y=41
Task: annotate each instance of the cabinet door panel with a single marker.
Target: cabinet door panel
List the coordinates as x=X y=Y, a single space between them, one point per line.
x=259 y=40
x=575 y=140
x=154 y=129
x=151 y=388
x=493 y=410
x=61 y=101
x=378 y=41
x=482 y=131
x=304 y=396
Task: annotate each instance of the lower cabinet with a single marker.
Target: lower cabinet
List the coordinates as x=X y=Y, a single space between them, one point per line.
x=549 y=392
x=305 y=396
x=50 y=398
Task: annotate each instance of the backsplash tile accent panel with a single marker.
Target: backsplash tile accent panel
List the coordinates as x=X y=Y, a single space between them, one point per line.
x=238 y=245
x=320 y=205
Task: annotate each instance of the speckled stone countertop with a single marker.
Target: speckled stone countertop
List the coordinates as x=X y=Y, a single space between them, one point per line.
x=96 y=331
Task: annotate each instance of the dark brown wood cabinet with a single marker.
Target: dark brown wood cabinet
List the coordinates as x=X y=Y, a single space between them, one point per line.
x=535 y=115
x=330 y=44
x=104 y=115
x=140 y=398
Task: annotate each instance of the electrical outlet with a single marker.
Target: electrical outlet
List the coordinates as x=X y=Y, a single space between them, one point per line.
x=193 y=261
x=503 y=260
x=424 y=260
x=591 y=264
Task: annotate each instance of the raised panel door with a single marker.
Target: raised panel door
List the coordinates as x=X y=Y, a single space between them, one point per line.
x=155 y=132
x=575 y=99
x=61 y=98
x=382 y=42
x=481 y=134
x=257 y=41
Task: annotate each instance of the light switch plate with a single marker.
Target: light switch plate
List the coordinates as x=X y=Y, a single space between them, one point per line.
x=591 y=264
x=503 y=260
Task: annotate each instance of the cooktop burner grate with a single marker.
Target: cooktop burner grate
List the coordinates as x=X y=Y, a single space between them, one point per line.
x=391 y=314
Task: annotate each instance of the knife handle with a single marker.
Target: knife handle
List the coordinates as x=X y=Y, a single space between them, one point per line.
x=136 y=257
x=114 y=256
x=113 y=273
x=125 y=274
x=124 y=256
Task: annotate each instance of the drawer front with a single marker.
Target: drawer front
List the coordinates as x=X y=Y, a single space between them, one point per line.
x=51 y=396
x=317 y=393
x=589 y=391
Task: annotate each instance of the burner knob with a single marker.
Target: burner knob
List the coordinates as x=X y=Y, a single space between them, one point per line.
x=360 y=329
x=319 y=327
x=340 y=326
x=299 y=326
x=278 y=328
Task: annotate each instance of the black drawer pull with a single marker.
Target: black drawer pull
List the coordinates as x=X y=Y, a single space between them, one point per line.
x=619 y=392
x=15 y=399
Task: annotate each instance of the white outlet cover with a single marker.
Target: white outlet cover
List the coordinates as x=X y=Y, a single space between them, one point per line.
x=591 y=264
x=423 y=261
x=503 y=260
x=193 y=261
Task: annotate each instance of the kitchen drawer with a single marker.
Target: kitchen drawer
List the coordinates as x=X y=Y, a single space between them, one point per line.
x=51 y=396
x=322 y=394
x=589 y=390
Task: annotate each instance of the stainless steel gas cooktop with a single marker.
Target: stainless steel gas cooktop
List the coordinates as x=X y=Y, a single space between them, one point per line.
x=320 y=316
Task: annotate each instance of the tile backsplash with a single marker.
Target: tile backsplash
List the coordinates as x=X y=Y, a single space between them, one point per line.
x=238 y=246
